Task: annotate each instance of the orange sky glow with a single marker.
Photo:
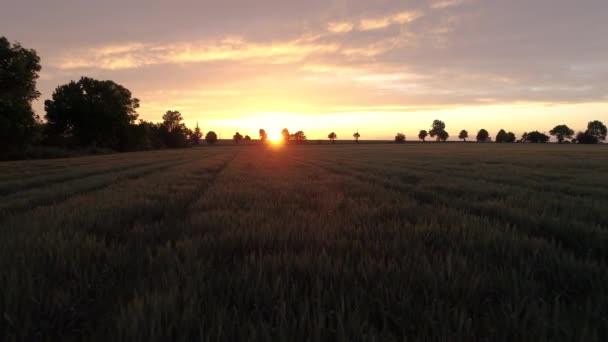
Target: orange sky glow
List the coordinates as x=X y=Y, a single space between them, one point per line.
x=380 y=67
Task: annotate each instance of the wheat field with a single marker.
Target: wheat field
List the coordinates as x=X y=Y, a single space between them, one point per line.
x=413 y=242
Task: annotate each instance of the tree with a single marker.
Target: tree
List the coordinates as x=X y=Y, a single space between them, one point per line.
x=299 y=137
x=438 y=131
x=196 y=136
x=536 y=137
x=502 y=136
x=237 y=138
x=285 y=135
x=247 y=139
x=423 y=134
x=172 y=119
x=597 y=129
x=175 y=133
x=332 y=137
x=586 y=138
x=211 y=138
x=463 y=135
x=91 y=112
x=356 y=135
x=482 y=135
x=19 y=70
x=562 y=132
x=263 y=136
x=511 y=137
x=400 y=138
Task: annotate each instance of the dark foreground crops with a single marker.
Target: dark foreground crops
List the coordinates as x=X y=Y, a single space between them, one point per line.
x=308 y=243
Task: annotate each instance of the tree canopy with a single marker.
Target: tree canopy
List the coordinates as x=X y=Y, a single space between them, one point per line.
x=356 y=135
x=332 y=137
x=211 y=137
x=597 y=129
x=535 y=137
x=438 y=131
x=19 y=68
x=237 y=138
x=400 y=138
x=423 y=134
x=562 y=132
x=92 y=112
x=463 y=135
x=482 y=135
x=299 y=137
x=285 y=135
x=263 y=136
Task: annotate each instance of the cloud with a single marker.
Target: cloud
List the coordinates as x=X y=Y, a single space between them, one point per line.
x=340 y=27
x=136 y=55
x=368 y=24
x=447 y=3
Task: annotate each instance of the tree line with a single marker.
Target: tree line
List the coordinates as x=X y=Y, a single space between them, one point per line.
x=595 y=133
x=103 y=114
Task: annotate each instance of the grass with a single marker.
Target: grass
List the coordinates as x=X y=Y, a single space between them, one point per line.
x=421 y=242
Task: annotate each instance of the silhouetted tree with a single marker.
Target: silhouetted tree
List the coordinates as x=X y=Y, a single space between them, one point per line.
x=562 y=132
x=196 y=135
x=263 y=136
x=299 y=137
x=211 y=137
x=536 y=137
x=356 y=135
x=285 y=135
x=438 y=131
x=332 y=137
x=172 y=119
x=502 y=136
x=400 y=138
x=92 y=112
x=423 y=134
x=175 y=133
x=511 y=137
x=482 y=135
x=237 y=138
x=597 y=129
x=247 y=139
x=19 y=70
x=463 y=135
x=586 y=138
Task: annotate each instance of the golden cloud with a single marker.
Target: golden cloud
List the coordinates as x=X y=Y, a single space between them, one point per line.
x=368 y=24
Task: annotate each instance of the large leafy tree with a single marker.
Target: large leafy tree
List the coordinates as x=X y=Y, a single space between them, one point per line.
x=237 y=138
x=482 y=135
x=299 y=137
x=597 y=129
x=562 y=132
x=19 y=68
x=463 y=135
x=438 y=131
x=172 y=120
x=92 y=112
x=263 y=136
x=332 y=137
x=285 y=135
x=211 y=137
x=423 y=134
x=535 y=137
x=502 y=136
x=356 y=135
x=175 y=132
x=400 y=138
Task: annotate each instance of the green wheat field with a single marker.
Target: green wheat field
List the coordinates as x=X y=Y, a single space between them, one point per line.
x=414 y=242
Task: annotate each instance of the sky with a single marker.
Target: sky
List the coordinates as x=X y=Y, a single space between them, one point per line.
x=377 y=66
